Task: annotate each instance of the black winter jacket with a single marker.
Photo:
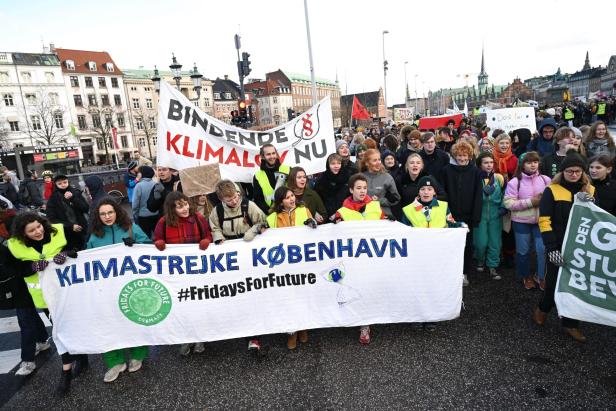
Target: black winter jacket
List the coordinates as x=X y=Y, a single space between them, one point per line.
x=464 y=192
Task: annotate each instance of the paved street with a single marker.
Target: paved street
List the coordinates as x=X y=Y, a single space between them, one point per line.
x=493 y=357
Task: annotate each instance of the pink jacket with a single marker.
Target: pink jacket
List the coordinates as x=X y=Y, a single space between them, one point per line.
x=518 y=195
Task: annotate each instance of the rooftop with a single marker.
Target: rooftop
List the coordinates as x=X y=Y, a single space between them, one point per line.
x=80 y=58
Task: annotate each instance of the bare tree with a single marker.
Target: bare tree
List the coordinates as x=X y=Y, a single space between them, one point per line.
x=46 y=119
x=145 y=121
x=103 y=120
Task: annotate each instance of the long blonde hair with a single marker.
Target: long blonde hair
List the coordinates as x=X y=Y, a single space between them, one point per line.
x=363 y=166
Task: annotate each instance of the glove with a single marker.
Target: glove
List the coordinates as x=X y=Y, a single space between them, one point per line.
x=60 y=258
x=584 y=197
x=556 y=258
x=160 y=244
x=390 y=217
x=311 y=222
x=158 y=190
x=502 y=211
x=128 y=241
x=39 y=265
x=204 y=244
x=71 y=253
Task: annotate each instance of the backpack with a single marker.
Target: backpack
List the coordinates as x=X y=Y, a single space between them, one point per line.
x=220 y=212
x=24 y=194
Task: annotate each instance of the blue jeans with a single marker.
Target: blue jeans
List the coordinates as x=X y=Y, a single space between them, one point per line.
x=32 y=331
x=525 y=234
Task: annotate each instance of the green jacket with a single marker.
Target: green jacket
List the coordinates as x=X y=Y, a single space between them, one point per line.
x=490 y=204
x=314 y=203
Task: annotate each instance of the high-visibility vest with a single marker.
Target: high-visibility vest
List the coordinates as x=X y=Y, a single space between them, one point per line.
x=569 y=114
x=301 y=215
x=476 y=111
x=24 y=253
x=601 y=109
x=372 y=212
x=438 y=215
x=266 y=187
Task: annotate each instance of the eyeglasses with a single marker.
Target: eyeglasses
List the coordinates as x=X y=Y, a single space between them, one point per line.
x=573 y=172
x=107 y=214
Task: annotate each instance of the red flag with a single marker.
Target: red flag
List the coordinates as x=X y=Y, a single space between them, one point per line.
x=114 y=132
x=359 y=111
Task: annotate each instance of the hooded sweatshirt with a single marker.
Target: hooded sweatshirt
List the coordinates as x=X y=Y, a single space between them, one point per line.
x=540 y=144
x=97 y=192
x=333 y=188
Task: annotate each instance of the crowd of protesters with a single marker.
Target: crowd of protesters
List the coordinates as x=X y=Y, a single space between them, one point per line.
x=512 y=192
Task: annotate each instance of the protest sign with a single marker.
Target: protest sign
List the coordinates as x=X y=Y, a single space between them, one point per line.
x=427 y=123
x=187 y=137
x=510 y=119
x=285 y=280
x=404 y=114
x=586 y=288
x=200 y=180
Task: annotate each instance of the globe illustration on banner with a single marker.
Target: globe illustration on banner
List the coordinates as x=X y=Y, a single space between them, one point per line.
x=345 y=294
x=145 y=301
x=335 y=275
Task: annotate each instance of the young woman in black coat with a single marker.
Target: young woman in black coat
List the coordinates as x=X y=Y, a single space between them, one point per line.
x=68 y=207
x=605 y=187
x=332 y=186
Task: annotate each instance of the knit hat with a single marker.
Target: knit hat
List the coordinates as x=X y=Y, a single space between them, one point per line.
x=340 y=143
x=427 y=181
x=577 y=132
x=60 y=177
x=387 y=153
x=146 y=171
x=573 y=159
x=132 y=165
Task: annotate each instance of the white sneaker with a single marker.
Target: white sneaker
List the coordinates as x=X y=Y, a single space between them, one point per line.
x=113 y=373
x=26 y=368
x=199 y=348
x=480 y=268
x=184 y=349
x=494 y=274
x=42 y=346
x=465 y=280
x=134 y=365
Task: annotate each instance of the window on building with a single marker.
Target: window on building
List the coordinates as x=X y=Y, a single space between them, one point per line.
x=92 y=65
x=50 y=77
x=114 y=82
x=109 y=67
x=36 y=122
x=196 y=103
x=4 y=76
x=148 y=103
x=100 y=143
x=96 y=120
x=92 y=100
x=152 y=122
x=124 y=141
x=108 y=120
x=139 y=123
x=81 y=122
x=31 y=99
x=78 y=100
x=120 y=118
x=3 y=57
x=14 y=125
x=141 y=142
x=117 y=100
x=74 y=81
x=26 y=77
x=228 y=96
x=147 y=89
x=275 y=100
x=136 y=103
x=58 y=119
x=216 y=96
x=101 y=82
x=133 y=88
x=54 y=99
x=89 y=82
x=206 y=102
x=70 y=64
x=8 y=100
x=105 y=99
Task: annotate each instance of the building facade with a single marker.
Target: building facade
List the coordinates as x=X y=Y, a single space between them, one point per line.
x=514 y=92
x=272 y=101
x=374 y=101
x=226 y=96
x=608 y=79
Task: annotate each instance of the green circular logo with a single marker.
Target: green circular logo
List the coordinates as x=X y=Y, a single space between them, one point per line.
x=145 y=301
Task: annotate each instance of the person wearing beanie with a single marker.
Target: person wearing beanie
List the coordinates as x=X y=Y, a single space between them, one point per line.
x=131 y=178
x=342 y=149
x=29 y=193
x=47 y=185
x=543 y=143
x=142 y=216
x=388 y=158
x=554 y=209
x=97 y=191
x=68 y=207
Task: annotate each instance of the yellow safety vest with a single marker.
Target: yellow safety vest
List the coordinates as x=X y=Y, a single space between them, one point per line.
x=569 y=114
x=373 y=212
x=476 y=111
x=301 y=215
x=601 y=109
x=24 y=253
x=266 y=187
x=438 y=215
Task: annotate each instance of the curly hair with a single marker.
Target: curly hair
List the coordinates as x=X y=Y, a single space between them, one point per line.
x=22 y=220
x=122 y=217
x=171 y=217
x=462 y=147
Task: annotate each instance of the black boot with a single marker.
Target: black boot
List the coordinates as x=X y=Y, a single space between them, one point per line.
x=64 y=384
x=81 y=365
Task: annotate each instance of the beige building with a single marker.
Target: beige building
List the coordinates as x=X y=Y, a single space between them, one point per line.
x=272 y=102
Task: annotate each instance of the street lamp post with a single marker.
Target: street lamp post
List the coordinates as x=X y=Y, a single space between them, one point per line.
x=312 y=77
x=176 y=70
x=156 y=80
x=385 y=73
x=196 y=78
x=406 y=86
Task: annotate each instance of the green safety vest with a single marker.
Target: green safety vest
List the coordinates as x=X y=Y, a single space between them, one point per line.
x=569 y=114
x=24 y=253
x=373 y=212
x=301 y=215
x=266 y=187
x=438 y=216
x=601 y=109
x=476 y=111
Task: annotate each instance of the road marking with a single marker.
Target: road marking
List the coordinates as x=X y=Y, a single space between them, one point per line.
x=9 y=359
x=10 y=324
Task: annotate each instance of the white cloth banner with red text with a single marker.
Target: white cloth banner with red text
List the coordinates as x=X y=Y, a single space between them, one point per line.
x=187 y=137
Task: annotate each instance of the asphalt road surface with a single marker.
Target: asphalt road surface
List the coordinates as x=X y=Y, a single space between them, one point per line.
x=492 y=357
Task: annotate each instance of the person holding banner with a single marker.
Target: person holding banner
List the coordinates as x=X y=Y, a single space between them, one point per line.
x=167 y=183
x=332 y=185
x=181 y=224
x=381 y=185
x=111 y=224
x=298 y=183
x=554 y=209
x=287 y=212
x=600 y=168
x=271 y=175
x=37 y=241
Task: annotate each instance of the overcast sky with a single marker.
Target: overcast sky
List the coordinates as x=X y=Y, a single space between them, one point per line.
x=440 y=39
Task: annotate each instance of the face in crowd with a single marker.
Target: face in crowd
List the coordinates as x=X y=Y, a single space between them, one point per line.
x=335 y=166
x=359 y=190
x=414 y=165
x=430 y=145
x=598 y=171
x=270 y=156
x=504 y=145
x=487 y=164
x=426 y=193
x=164 y=173
x=34 y=231
x=343 y=151
x=530 y=167
x=573 y=174
x=62 y=184
x=601 y=131
x=462 y=159
x=182 y=208
x=232 y=201
x=107 y=214
x=374 y=163
x=548 y=132
x=288 y=202
x=389 y=161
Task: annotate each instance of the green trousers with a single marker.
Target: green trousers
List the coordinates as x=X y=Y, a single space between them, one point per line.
x=117 y=357
x=487 y=240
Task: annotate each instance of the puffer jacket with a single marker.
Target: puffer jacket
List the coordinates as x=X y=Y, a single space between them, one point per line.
x=518 y=195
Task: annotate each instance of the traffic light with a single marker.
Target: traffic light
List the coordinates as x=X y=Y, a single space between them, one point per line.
x=243 y=112
x=246 y=64
x=251 y=117
x=385 y=63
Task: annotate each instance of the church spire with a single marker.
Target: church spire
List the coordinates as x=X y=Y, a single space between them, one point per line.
x=483 y=69
x=586 y=62
x=482 y=78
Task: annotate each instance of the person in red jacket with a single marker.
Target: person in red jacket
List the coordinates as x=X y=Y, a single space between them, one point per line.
x=181 y=224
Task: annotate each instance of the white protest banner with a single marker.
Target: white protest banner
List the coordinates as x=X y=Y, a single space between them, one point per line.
x=509 y=119
x=404 y=114
x=586 y=288
x=285 y=280
x=187 y=137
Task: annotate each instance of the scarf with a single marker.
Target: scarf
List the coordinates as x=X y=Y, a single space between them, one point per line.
x=501 y=160
x=488 y=187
